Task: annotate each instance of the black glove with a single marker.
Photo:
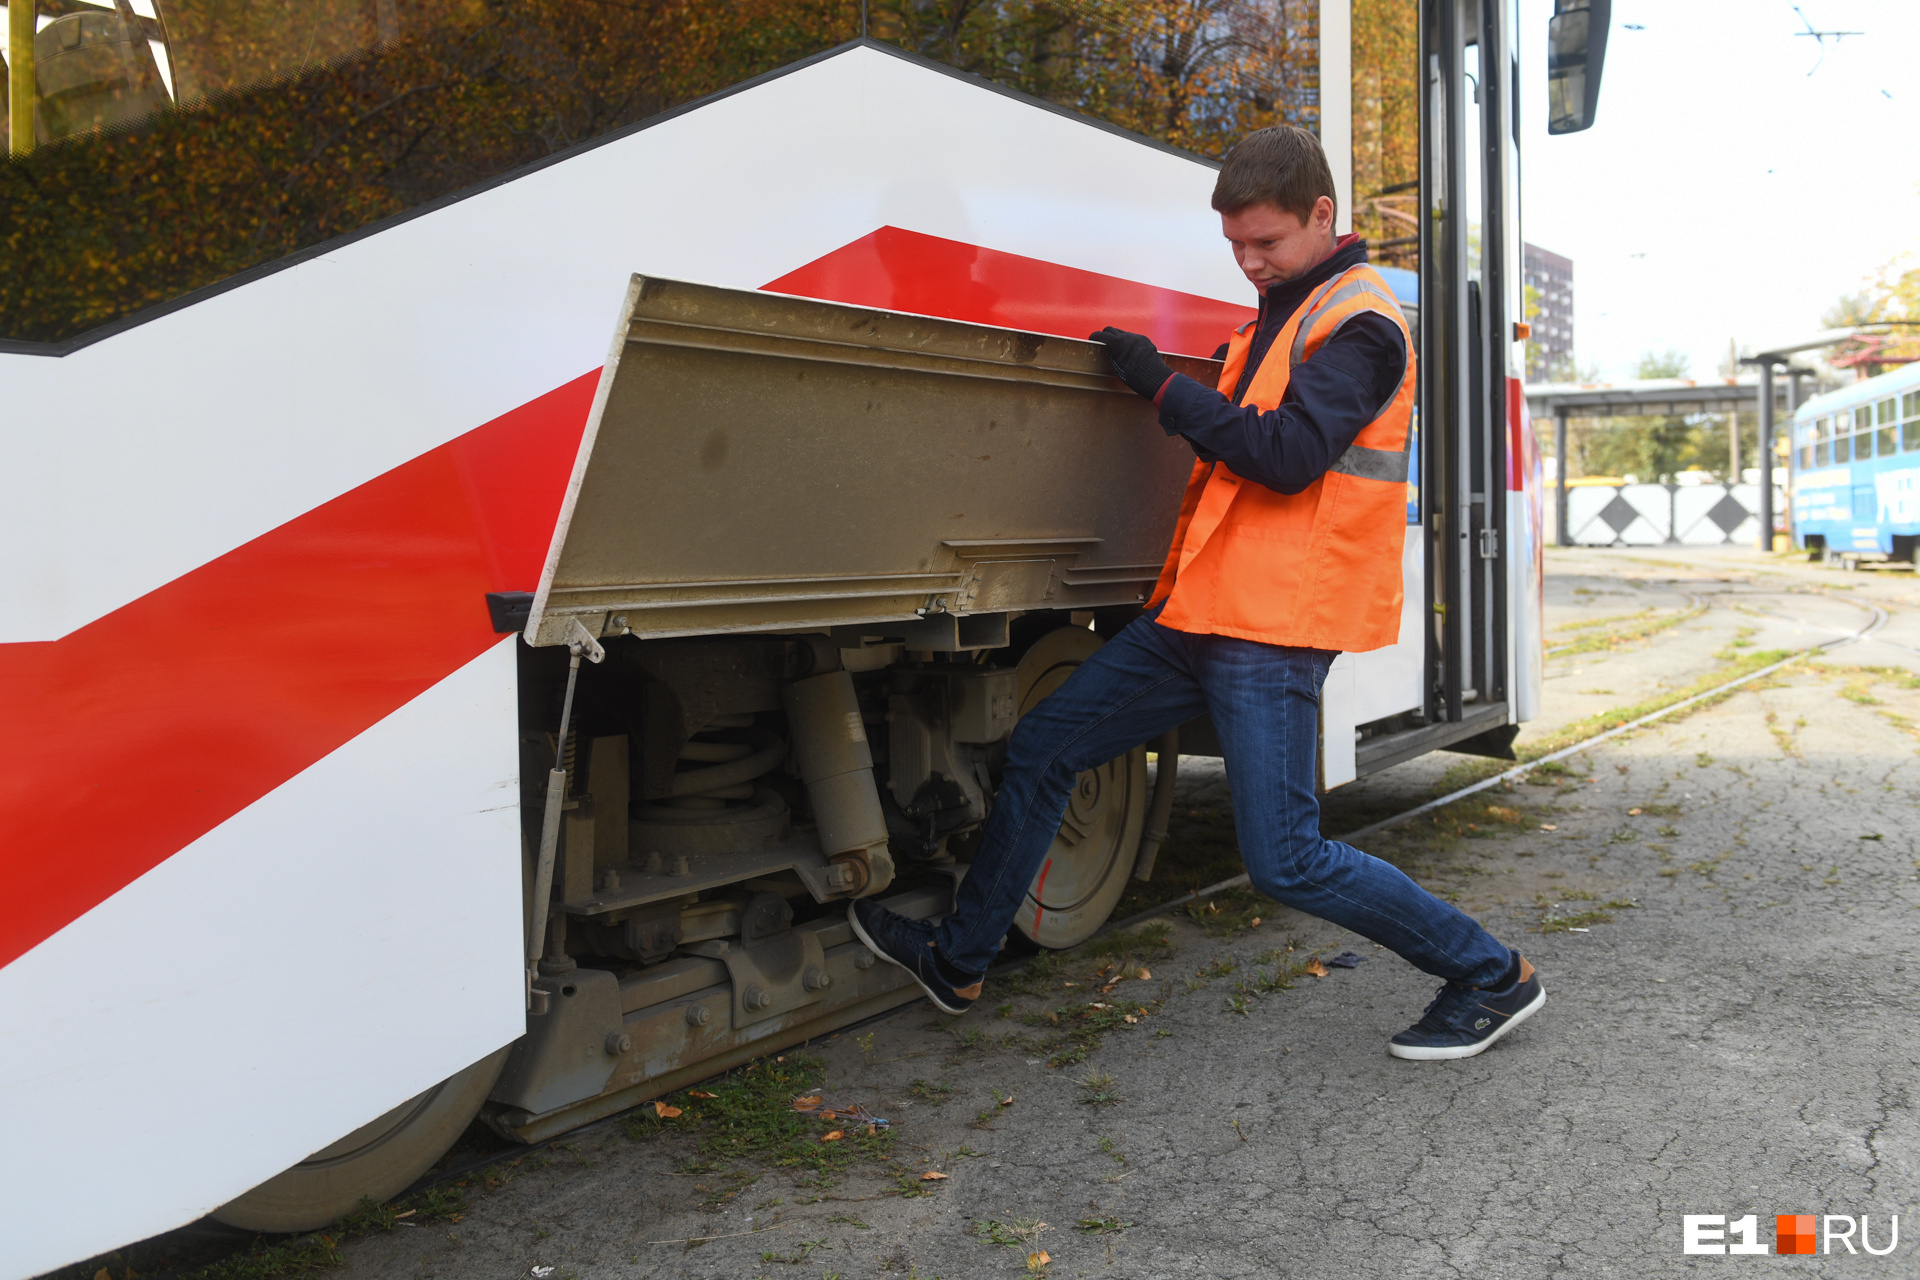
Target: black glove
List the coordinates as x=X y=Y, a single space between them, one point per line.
x=1135 y=358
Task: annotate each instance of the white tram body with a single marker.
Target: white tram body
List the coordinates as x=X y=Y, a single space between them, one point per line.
x=263 y=850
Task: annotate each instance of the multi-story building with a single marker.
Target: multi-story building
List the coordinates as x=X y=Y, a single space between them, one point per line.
x=1549 y=280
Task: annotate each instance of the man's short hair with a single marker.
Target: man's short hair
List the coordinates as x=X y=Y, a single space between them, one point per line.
x=1281 y=165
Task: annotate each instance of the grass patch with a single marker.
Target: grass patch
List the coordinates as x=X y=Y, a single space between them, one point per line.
x=1574 y=733
x=750 y=1116
x=1019 y=1233
x=1100 y=979
x=1555 y=922
x=1231 y=912
x=1622 y=630
x=935 y=1092
x=1099 y=1090
x=1608 y=621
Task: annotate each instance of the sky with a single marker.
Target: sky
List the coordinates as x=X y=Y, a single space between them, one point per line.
x=1723 y=193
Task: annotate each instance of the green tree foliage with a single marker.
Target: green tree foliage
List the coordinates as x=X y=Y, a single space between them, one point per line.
x=301 y=120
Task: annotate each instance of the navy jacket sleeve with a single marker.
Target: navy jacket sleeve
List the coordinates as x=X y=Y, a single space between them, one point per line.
x=1330 y=398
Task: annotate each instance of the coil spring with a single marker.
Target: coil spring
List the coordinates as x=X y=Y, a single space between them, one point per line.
x=713 y=772
x=715 y=778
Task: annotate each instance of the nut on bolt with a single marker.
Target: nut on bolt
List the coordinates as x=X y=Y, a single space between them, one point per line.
x=816 y=978
x=697 y=1015
x=619 y=1042
x=756 y=999
x=863 y=959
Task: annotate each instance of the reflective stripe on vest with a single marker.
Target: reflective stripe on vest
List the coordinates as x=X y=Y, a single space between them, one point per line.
x=1317 y=569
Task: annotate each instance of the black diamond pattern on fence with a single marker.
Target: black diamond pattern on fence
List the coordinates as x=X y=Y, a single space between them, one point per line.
x=1618 y=514
x=1729 y=513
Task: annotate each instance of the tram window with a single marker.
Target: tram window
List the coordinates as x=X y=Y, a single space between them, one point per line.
x=1842 y=448
x=1910 y=410
x=284 y=123
x=1885 y=412
x=1823 y=429
x=1806 y=456
x=1863 y=419
x=1386 y=131
x=1823 y=453
x=1887 y=445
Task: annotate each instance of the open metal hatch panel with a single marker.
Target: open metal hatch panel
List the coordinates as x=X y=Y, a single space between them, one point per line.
x=760 y=462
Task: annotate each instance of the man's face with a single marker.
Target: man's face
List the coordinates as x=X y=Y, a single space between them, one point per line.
x=1273 y=246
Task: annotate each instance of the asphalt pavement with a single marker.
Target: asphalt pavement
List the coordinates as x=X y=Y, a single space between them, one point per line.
x=1724 y=909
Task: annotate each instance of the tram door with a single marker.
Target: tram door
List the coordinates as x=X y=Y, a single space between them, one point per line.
x=1469 y=263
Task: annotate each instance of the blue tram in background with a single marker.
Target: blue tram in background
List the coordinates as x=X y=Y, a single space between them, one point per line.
x=1856 y=470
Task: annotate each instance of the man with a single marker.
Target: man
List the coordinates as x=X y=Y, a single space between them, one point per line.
x=1288 y=550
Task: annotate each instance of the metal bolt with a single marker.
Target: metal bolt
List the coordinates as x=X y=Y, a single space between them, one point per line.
x=756 y=999
x=609 y=881
x=619 y=622
x=816 y=978
x=656 y=865
x=682 y=867
x=697 y=1015
x=863 y=959
x=618 y=1042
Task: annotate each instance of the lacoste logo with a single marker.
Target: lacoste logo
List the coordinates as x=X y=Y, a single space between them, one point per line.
x=1482 y=1024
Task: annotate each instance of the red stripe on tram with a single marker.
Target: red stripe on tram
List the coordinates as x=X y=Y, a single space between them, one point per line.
x=142 y=731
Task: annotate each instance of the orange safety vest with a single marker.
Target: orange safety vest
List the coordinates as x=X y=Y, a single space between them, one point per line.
x=1319 y=569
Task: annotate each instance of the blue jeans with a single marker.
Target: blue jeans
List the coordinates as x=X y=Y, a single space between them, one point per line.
x=1265 y=703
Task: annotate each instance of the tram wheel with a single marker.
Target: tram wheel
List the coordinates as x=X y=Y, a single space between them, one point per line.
x=1086 y=870
x=377 y=1161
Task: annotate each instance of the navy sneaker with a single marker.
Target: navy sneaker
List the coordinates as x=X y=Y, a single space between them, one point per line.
x=1463 y=1020
x=909 y=944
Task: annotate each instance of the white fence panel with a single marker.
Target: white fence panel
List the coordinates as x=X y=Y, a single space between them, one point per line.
x=1645 y=515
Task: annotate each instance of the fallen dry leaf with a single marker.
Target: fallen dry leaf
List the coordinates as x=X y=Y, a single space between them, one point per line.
x=1633 y=813
x=1007 y=1101
x=1315 y=968
x=701 y=1093
x=1254 y=923
x=1038 y=1259
x=835 y=1136
x=933 y=1175
x=1143 y=975
x=808 y=1103
x=408 y=1214
x=664 y=1111
x=1131 y=1018
x=1548 y=826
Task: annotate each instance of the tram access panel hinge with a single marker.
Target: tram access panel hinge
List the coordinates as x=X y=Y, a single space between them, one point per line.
x=1489 y=544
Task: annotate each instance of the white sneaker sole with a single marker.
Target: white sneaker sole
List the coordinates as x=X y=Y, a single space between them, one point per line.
x=1420 y=1053
x=870 y=945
